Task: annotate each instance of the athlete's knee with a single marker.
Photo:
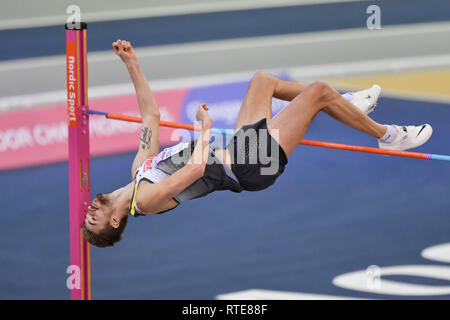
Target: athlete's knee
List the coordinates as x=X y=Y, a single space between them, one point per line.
x=321 y=87
x=322 y=91
x=262 y=78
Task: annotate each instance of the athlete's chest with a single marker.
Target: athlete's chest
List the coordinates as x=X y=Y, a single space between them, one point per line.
x=145 y=191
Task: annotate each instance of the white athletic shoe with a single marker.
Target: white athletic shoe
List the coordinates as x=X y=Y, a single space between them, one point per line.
x=408 y=137
x=366 y=100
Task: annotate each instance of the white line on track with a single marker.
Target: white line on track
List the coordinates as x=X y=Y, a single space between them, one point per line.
x=298 y=73
x=260 y=294
x=370 y=66
x=237 y=44
x=157 y=11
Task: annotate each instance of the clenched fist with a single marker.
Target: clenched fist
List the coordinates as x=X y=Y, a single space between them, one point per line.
x=203 y=115
x=124 y=50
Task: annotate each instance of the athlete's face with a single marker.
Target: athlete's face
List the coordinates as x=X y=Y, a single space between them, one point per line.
x=99 y=213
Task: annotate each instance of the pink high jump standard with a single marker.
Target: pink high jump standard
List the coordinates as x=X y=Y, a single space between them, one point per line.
x=79 y=175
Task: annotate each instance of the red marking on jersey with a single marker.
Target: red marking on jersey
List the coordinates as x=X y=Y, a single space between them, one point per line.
x=148 y=164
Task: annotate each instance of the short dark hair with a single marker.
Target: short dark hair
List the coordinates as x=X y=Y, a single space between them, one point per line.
x=107 y=237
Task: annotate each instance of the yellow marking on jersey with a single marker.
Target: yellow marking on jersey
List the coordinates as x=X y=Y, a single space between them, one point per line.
x=133 y=210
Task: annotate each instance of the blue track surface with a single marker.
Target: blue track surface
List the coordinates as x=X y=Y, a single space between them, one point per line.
x=331 y=212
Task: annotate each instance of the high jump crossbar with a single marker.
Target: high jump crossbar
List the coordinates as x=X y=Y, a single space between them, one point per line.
x=313 y=143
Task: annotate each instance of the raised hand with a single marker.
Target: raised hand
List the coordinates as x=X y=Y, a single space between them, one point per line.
x=203 y=115
x=124 y=50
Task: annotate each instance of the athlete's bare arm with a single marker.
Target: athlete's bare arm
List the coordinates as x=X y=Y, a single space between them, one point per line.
x=152 y=198
x=148 y=107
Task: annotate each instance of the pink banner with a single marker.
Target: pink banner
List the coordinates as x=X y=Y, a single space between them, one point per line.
x=39 y=136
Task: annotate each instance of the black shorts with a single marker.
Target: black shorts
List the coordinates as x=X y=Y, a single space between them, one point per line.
x=257 y=158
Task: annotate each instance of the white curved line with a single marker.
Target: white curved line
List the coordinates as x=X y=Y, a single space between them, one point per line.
x=358 y=281
x=439 y=253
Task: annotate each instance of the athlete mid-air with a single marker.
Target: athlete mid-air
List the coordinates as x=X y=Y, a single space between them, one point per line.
x=254 y=158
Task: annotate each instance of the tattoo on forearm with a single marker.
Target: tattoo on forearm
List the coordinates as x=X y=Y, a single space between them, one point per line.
x=146 y=135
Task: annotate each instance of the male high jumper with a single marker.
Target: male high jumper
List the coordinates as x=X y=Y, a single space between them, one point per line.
x=254 y=158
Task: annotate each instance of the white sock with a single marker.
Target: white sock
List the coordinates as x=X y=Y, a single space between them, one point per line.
x=390 y=135
x=348 y=96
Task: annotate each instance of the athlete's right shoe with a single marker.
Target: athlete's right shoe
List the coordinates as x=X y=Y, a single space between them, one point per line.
x=366 y=100
x=408 y=137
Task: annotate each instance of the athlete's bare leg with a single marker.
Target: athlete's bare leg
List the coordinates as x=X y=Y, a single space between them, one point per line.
x=257 y=103
x=306 y=102
x=294 y=119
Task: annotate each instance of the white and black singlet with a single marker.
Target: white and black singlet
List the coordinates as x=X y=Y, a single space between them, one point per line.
x=217 y=175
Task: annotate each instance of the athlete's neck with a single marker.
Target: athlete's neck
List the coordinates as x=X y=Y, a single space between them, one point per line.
x=121 y=198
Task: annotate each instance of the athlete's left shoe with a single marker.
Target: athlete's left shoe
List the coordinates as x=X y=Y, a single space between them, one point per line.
x=366 y=100
x=408 y=137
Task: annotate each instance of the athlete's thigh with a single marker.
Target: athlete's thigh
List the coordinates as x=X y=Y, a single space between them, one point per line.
x=289 y=126
x=257 y=103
